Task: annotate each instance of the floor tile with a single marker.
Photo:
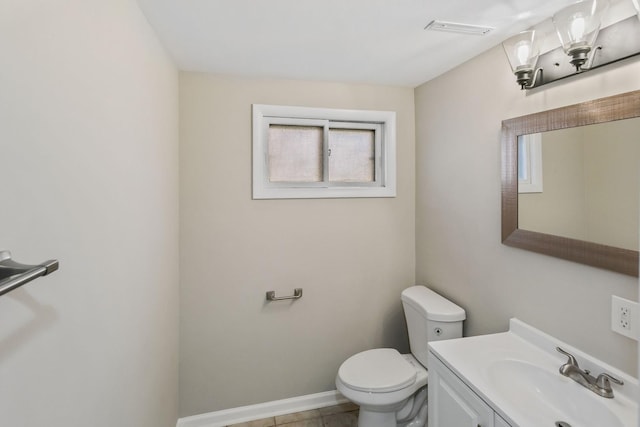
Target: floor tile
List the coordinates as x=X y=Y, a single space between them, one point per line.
x=346 y=419
x=264 y=422
x=338 y=409
x=298 y=416
x=311 y=422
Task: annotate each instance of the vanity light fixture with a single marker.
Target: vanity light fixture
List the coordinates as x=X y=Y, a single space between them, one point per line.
x=583 y=45
x=577 y=27
x=522 y=51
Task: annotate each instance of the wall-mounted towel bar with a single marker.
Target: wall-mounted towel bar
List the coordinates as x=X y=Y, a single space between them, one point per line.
x=13 y=274
x=297 y=293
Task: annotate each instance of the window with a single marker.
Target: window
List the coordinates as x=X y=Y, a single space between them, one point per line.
x=530 y=163
x=301 y=152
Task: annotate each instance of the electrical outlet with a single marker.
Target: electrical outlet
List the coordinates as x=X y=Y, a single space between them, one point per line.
x=624 y=317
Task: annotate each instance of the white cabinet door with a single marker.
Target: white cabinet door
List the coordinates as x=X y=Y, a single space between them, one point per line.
x=451 y=402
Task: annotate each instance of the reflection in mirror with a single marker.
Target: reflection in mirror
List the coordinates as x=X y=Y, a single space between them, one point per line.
x=591 y=183
x=530 y=163
x=564 y=217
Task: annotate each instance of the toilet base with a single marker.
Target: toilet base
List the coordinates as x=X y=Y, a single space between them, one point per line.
x=376 y=419
x=420 y=420
x=412 y=413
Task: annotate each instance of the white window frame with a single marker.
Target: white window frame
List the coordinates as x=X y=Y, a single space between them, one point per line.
x=382 y=122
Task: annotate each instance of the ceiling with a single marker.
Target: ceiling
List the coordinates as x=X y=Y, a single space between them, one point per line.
x=364 y=41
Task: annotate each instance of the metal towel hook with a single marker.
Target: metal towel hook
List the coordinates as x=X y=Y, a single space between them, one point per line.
x=13 y=274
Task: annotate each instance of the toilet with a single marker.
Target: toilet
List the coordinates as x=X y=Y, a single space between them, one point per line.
x=389 y=387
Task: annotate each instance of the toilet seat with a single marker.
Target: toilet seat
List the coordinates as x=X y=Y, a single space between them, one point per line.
x=381 y=370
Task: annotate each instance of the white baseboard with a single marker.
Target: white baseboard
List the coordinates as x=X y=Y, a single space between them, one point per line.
x=263 y=410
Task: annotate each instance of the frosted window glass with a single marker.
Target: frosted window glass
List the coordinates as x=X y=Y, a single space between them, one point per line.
x=295 y=153
x=351 y=155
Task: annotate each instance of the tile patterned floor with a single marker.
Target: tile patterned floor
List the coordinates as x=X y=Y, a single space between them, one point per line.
x=345 y=415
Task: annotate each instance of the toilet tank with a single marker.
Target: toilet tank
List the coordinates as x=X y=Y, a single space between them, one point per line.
x=430 y=317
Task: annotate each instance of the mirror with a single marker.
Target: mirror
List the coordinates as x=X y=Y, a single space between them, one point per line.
x=582 y=183
x=565 y=158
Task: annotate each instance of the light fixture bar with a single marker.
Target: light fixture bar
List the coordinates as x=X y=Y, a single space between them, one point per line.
x=455 y=27
x=619 y=41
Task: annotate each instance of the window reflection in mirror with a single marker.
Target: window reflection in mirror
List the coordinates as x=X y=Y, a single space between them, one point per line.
x=530 y=163
x=591 y=183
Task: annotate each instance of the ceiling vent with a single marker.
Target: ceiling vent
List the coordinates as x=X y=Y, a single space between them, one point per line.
x=454 y=27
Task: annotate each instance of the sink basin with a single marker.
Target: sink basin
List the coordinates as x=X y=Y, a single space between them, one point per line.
x=549 y=397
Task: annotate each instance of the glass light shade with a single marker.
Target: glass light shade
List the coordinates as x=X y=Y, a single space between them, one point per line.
x=522 y=51
x=578 y=25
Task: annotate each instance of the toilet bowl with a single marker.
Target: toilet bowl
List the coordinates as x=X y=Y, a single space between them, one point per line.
x=389 y=387
x=384 y=383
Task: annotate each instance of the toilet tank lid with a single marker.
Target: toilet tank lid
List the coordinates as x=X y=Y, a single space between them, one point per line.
x=432 y=305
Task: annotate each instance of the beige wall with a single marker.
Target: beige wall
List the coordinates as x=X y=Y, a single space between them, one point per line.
x=352 y=257
x=458 y=119
x=89 y=172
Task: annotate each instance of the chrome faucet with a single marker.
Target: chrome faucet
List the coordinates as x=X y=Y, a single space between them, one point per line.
x=600 y=386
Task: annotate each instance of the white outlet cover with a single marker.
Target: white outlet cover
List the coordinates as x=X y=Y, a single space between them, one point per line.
x=624 y=317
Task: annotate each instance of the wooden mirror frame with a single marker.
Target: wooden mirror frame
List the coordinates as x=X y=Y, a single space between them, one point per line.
x=618 y=107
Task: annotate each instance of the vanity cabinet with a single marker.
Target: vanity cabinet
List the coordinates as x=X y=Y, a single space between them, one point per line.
x=453 y=403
